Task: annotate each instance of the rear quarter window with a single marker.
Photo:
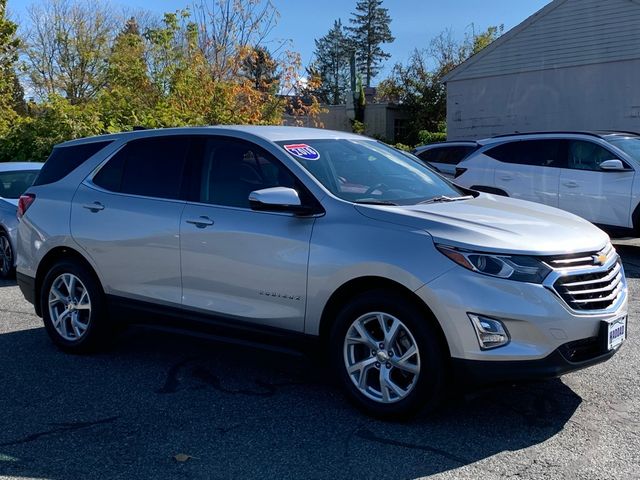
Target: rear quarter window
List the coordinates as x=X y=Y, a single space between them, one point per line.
x=64 y=160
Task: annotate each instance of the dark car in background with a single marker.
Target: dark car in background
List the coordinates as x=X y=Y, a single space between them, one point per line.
x=445 y=156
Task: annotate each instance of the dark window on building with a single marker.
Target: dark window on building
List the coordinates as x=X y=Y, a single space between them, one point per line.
x=150 y=167
x=541 y=153
x=63 y=160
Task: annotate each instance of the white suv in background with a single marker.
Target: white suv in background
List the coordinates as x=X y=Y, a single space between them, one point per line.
x=591 y=174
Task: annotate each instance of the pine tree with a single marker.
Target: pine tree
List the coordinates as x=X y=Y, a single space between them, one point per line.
x=332 y=65
x=10 y=89
x=370 y=29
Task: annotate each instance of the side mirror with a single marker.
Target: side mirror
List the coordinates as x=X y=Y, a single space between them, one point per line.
x=278 y=199
x=612 y=165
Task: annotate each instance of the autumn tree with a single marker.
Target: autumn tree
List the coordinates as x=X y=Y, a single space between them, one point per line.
x=68 y=47
x=331 y=63
x=369 y=30
x=261 y=69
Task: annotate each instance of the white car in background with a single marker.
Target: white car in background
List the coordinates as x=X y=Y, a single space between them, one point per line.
x=590 y=174
x=445 y=156
x=15 y=178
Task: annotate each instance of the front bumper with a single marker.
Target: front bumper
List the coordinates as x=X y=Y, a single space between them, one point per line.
x=542 y=328
x=567 y=358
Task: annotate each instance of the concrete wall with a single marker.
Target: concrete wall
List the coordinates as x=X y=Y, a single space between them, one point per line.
x=589 y=97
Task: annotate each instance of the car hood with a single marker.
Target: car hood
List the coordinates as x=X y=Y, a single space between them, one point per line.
x=496 y=224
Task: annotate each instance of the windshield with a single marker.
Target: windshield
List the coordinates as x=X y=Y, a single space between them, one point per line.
x=366 y=171
x=14 y=184
x=629 y=145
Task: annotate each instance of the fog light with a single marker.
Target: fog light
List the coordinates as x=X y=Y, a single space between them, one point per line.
x=491 y=333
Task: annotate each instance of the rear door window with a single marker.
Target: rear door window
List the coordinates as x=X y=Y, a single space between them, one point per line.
x=150 y=167
x=540 y=153
x=63 y=160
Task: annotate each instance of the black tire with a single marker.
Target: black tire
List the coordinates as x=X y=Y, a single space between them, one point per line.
x=7 y=257
x=99 y=331
x=429 y=387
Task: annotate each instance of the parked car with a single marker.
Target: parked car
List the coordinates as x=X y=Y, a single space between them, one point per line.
x=591 y=174
x=15 y=178
x=445 y=156
x=407 y=280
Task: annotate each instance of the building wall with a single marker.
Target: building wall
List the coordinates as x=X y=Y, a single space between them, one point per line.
x=601 y=96
x=379 y=118
x=563 y=34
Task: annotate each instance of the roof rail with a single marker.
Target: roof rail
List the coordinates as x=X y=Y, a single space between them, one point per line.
x=559 y=132
x=614 y=132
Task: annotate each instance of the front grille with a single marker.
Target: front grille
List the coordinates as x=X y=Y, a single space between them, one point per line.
x=582 y=350
x=597 y=290
x=581 y=259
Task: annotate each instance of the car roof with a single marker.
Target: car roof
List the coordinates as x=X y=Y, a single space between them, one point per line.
x=603 y=134
x=448 y=143
x=270 y=133
x=18 y=166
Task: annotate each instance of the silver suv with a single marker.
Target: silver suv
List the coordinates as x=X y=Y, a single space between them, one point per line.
x=407 y=280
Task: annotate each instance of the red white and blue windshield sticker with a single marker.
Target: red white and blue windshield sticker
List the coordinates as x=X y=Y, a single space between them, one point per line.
x=302 y=150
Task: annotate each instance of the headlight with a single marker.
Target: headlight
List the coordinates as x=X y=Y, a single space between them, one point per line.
x=513 y=267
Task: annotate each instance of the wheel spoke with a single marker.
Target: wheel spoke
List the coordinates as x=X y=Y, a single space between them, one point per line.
x=391 y=334
x=389 y=384
x=402 y=362
x=57 y=294
x=59 y=319
x=363 y=336
x=84 y=303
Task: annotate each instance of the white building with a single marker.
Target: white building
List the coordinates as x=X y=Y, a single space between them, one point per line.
x=574 y=65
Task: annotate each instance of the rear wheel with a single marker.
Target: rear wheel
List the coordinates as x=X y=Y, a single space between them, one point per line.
x=73 y=308
x=7 y=268
x=387 y=355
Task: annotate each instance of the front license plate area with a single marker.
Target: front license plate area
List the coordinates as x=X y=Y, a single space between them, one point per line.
x=616 y=332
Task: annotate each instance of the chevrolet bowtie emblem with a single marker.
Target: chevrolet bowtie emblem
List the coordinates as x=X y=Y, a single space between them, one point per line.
x=599 y=259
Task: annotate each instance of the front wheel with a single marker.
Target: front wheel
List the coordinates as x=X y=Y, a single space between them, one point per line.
x=73 y=308
x=387 y=355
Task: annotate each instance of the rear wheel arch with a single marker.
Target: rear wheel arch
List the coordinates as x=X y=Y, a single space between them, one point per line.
x=362 y=285
x=51 y=258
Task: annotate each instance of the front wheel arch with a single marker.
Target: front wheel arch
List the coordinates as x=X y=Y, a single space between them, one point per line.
x=361 y=285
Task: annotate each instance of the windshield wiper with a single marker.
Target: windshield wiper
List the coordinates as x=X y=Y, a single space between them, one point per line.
x=444 y=198
x=374 y=202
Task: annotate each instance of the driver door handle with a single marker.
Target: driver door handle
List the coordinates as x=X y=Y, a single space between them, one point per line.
x=94 y=207
x=571 y=184
x=506 y=178
x=201 y=222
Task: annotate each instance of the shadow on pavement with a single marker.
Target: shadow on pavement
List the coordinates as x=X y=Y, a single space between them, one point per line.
x=239 y=412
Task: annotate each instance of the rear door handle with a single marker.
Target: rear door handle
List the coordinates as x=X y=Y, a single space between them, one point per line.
x=200 y=222
x=94 y=207
x=571 y=184
x=506 y=178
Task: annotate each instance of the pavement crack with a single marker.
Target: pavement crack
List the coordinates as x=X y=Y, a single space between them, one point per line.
x=60 y=428
x=366 y=434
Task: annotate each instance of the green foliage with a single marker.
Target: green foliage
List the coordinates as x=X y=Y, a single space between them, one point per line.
x=357 y=126
x=370 y=29
x=332 y=55
x=426 y=137
x=403 y=147
x=31 y=138
x=10 y=90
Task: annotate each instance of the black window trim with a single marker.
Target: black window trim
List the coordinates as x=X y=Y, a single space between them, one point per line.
x=318 y=208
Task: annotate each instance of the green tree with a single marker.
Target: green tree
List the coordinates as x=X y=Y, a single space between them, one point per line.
x=370 y=29
x=128 y=96
x=331 y=64
x=10 y=89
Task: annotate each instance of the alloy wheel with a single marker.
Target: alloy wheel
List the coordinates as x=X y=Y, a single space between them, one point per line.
x=6 y=255
x=381 y=357
x=69 y=307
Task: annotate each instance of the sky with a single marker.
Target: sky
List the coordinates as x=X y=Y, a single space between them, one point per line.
x=414 y=22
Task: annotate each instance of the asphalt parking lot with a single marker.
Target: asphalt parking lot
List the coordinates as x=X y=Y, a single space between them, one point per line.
x=237 y=412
